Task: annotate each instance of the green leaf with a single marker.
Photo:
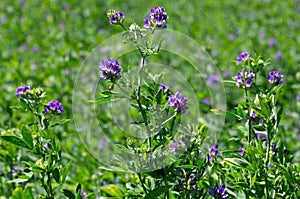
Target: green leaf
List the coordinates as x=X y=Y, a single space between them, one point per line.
x=124 y=149
x=17 y=193
x=186 y=167
x=237 y=162
x=65 y=172
x=27 y=193
x=229 y=81
x=107 y=96
x=68 y=194
x=78 y=188
x=227 y=114
x=56 y=175
x=27 y=137
x=157 y=192
x=61 y=122
x=112 y=190
x=20 y=179
x=15 y=141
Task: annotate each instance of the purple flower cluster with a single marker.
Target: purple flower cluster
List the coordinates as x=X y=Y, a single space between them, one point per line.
x=53 y=107
x=179 y=102
x=275 y=148
x=244 y=78
x=243 y=56
x=164 y=88
x=214 y=152
x=157 y=17
x=218 y=192
x=176 y=144
x=117 y=18
x=110 y=69
x=22 y=90
x=241 y=151
x=275 y=77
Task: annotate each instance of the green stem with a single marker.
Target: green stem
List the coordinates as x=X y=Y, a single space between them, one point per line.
x=142 y=182
x=140 y=105
x=249 y=120
x=167 y=194
x=123 y=27
x=267 y=164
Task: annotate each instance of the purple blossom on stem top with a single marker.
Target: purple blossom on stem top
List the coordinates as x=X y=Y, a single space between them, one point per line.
x=226 y=74
x=207 y=101
x=212 y=79
x=24 y=47
x=110 y=69
x=262 y=34
x=173 y=147
x=278 y=54
x=261 y=136
x=157 y=17
x=35 y=49
x=298 y=97
x=275 y=77
x=218 y=192
x=53 y=107
x=270 y=165
x=272 y=42
x=275 y=148
x=115 y=17
x=243 y=56
x=261 y=122
x=244 y=78
x=253 y=115
x=163 y=87
x=179 y=102
x=22 y=90
x=214 y=151
x=241 y=151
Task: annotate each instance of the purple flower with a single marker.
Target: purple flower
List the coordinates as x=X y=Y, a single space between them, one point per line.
x=226 y=74
x=253 y=115
x=218 y=192
x=262 y=34
x=274 y=148
x=244 y=78
x=231 y=37
x=261 y=122
x=65 y=6
x=243 y=56
x=116 y=17
x=35 y=49
x=272 y=42
x=275 y=77
x=261 y=136
x=179 y=102
x=270 y=165
x=164 y=88
x=157 y=17
x=207 y=101
x=214 y=53
x=173 y=147
x=110 y=69
x=278 y=54
x=298 y=97
x=101 y=144
x=22 y=90
x=53 y=107
x=212 y=79
x=214 y=151
x=241 y=151
x=24 y=47
x=83 y=194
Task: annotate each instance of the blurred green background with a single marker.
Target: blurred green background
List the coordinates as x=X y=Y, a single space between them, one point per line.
x=43 y=43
